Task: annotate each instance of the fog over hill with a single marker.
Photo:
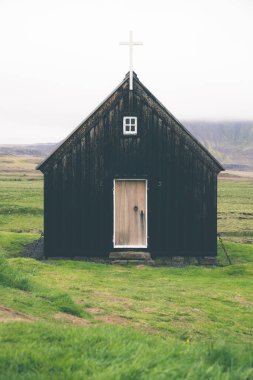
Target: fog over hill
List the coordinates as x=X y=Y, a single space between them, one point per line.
x=231 y=142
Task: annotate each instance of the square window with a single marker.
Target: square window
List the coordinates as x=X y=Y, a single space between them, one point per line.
x=129 y=125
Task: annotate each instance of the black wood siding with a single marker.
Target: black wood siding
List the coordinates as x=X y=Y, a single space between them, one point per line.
x=182 y=186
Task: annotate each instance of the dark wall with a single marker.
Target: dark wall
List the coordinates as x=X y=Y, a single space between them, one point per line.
x=181 y=196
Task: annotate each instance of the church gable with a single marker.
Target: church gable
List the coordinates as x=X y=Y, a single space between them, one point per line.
x=123 y=104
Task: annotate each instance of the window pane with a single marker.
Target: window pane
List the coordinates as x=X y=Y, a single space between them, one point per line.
x=129 y=125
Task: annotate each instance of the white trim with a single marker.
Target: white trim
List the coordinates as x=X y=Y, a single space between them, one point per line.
x=130 y=246
x=125 y=124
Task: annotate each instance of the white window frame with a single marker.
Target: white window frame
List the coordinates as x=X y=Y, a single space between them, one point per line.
x=130 y=124
x=114 y=213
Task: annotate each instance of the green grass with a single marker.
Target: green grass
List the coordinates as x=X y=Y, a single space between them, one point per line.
x=111 y=353
x=21 y=205
x=81 y=320
x=11 y=277
x=238 y=253
x=18 y=279
x=12 y=243
x=193 y=323
x=192 y=303
x=235 y=210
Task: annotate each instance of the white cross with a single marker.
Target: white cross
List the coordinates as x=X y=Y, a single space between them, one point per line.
x=131 y=44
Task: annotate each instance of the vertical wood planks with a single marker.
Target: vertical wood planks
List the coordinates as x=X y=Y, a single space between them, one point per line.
x=182 y=196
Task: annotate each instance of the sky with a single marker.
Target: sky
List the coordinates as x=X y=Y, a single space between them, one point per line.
x=60 y=58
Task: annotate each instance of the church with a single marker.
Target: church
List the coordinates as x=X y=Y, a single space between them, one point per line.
x=130 y=178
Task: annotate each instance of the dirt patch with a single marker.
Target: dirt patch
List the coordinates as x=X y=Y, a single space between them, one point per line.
x=149 y=310
x=239 y=173
x=242 y=301
x=113 y=319
x=236 y=175
x=114 y=299
x=94 y=310
x=122 y=271
x=121 y=321
x=71 y=319
x=195 y=310
x=10 y=315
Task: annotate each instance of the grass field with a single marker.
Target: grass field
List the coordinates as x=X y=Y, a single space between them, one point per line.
x=235 y=208
x=80 y=320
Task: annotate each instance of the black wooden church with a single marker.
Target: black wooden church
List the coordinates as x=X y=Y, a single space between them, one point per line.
x=130 y=177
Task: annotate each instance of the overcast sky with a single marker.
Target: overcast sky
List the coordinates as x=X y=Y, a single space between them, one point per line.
x=59 y=59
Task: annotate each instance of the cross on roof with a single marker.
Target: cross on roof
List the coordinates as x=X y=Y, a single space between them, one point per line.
x=131 y=44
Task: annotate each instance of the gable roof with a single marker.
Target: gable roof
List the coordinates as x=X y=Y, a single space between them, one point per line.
x=152 y=101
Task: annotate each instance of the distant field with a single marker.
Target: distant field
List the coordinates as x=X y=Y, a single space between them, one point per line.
x=235 y=206
x=81 y=320
x=19 y=166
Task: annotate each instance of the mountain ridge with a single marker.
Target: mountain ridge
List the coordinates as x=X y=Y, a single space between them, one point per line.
x=231 y=143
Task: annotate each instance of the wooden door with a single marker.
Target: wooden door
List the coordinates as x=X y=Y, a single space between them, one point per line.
x=130 y=213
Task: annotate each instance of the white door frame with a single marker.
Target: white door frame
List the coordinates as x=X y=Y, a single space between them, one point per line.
x=130 y=246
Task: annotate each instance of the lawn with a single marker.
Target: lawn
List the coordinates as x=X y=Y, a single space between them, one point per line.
x=78 y=320
x=235 y=209
x=81 y=320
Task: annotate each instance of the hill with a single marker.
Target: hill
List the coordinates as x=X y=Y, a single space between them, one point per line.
x=230 y=142
x=38 y=150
